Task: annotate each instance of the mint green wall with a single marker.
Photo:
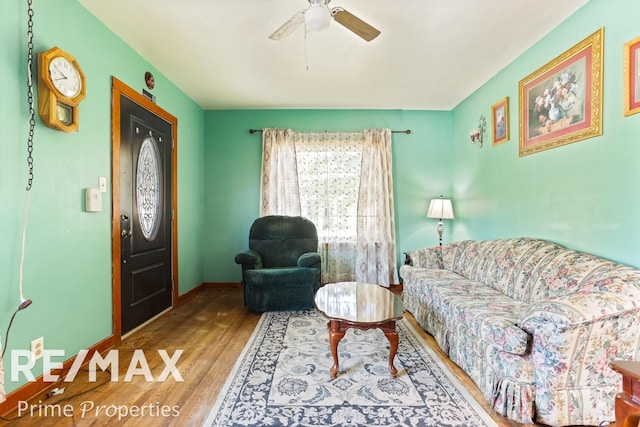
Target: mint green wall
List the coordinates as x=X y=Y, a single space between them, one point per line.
x=421 y=163
x=67 y=270
x=584 y=195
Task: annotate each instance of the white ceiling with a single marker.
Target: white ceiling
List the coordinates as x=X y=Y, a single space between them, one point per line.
x=431 y=54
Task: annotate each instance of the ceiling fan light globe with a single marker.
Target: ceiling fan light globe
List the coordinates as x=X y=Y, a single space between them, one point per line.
x=317 y=18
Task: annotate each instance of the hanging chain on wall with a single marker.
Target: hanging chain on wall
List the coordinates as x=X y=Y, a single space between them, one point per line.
x=32 y=112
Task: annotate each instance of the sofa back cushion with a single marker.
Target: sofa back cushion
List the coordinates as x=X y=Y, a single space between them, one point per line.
x=526 y=269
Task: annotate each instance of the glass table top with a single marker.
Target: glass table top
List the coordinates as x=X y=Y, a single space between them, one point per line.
x=358 y=302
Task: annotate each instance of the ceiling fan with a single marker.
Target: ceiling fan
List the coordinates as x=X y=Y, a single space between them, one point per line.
x=318 y=17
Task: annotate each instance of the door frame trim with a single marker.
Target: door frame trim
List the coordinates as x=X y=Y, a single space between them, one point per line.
x=118 y=88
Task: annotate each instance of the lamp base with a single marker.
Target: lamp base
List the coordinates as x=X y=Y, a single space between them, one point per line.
x=440 y=231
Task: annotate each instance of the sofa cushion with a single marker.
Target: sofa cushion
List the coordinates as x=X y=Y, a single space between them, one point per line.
x=504 y=264
x=417 y=278
x=564 y=273
x=523 y=268
x=486 y=312
x=426 y=258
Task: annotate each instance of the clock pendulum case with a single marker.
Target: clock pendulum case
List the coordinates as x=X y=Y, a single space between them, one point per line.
x=61 y=87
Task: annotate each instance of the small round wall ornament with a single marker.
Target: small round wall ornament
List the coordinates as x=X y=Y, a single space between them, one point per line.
x=149 y=80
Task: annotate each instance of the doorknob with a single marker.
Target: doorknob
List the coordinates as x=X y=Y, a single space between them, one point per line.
x=125 y=234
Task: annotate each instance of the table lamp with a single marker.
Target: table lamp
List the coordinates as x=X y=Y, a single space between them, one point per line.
x=441 y=209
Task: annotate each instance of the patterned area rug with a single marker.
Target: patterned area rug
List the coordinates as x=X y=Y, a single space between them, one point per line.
x=282 y=379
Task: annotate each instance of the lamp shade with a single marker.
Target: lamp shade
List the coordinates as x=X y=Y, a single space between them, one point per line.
x=440 y=208
x=317 y=17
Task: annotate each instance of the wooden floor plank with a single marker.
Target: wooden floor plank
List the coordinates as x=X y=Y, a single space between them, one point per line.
x=212 y=327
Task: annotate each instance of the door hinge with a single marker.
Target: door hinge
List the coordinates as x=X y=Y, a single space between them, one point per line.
x=173 y=215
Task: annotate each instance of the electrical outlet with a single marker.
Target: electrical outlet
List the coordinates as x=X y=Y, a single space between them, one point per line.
x=37 y=348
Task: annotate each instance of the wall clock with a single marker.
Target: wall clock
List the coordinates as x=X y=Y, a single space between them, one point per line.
x=61 y=87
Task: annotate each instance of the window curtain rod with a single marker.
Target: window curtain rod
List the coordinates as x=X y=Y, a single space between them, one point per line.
x=407 y=131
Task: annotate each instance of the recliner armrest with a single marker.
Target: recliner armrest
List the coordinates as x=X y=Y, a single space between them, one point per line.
x=309 y=260
x=249 y=259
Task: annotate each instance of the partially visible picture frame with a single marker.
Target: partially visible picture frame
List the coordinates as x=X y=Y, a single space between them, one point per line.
x=561 y=102
x=500 y=121
x=631 y=78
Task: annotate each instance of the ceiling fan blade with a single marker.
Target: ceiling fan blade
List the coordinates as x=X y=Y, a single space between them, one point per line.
x=354 y=24
x=289 y=26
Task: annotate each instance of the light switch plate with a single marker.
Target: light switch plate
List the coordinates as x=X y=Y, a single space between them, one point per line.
x=103 y=184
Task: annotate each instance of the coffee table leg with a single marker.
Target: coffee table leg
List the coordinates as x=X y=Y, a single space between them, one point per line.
x=392 y=336
x=335 y=335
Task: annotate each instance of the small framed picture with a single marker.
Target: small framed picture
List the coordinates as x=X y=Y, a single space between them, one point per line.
x=631 y=78
x=500 y=121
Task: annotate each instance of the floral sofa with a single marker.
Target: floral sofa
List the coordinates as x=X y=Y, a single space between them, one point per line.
x=534 y=324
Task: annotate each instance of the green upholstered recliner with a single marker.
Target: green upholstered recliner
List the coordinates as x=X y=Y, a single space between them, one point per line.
x=281 y=269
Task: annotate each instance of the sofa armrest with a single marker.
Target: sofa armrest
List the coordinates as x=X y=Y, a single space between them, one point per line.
x=425 y=258
x=249 y=260
x=576 y=336
x=309 y=260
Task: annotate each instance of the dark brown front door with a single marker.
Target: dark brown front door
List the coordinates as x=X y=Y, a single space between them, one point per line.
x=145 y=214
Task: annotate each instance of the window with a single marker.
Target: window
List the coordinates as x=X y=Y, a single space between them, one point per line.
x=342 y=182
x=328 y=183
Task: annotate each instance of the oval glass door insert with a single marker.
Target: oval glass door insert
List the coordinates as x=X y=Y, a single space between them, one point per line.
x=148 y=188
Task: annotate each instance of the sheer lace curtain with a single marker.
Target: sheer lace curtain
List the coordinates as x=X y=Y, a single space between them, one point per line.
x=279 y=190
x=342 y=182
x=328 y=173
x=376 y=254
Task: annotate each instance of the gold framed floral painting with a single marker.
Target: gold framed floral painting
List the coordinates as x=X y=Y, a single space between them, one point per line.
x=500 y=121
x=561 y=102
x=631 y=77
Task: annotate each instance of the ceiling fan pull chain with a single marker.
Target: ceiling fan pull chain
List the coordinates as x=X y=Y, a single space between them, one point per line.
x=306 y=57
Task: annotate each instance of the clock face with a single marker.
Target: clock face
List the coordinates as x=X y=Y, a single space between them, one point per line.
x=65 y=76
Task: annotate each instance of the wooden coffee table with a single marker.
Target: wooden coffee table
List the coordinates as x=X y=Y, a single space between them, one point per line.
x=359 y=306
x=628 y=401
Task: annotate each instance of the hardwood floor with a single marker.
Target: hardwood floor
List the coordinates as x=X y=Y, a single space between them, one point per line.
x=212 y=327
